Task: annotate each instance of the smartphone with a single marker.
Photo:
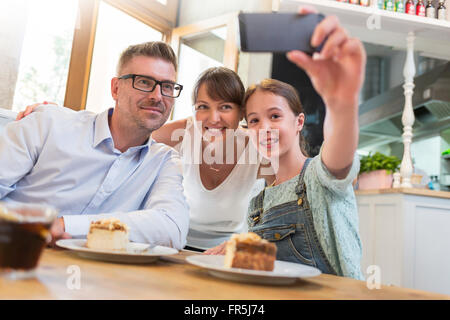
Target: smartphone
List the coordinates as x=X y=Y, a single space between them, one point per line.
x=278 y=32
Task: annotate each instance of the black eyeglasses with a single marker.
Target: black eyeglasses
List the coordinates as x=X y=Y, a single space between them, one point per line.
x=148 y=84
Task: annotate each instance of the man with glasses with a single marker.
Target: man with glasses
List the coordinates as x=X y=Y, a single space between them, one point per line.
x=92 y=166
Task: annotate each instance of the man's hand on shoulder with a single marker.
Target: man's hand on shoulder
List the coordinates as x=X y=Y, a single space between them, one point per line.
x=30 y=109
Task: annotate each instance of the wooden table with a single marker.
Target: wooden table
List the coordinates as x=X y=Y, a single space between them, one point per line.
x=174 y=279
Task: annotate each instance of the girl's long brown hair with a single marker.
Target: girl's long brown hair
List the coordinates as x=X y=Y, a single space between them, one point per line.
x=284 y=90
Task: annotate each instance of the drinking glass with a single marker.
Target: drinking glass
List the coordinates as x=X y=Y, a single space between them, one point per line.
x=24 y=232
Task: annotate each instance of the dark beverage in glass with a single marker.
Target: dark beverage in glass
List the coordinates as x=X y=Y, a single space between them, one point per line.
x=24 y=232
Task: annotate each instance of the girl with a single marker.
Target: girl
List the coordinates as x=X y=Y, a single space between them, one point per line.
x=309 y=208
x=307 y=211
x=220 y=167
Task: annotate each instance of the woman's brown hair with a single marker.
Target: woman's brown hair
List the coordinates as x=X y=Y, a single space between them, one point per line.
x=221 y=84
x=282 y=89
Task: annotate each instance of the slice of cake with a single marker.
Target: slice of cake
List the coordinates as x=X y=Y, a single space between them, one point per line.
x=108 y=234
x=249 y=251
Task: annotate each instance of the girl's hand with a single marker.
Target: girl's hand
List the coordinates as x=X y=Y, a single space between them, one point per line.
x=219 y=250
x=337 y=72
x=30 y=109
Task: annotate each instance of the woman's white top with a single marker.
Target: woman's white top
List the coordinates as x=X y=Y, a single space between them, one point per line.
x=218 y=213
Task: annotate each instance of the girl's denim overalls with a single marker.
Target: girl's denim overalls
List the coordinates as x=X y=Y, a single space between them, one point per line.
x=290 y=226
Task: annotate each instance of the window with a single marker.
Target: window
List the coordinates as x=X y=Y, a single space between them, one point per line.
x=205 y=44
x=191 y=63
x=430 y=160
x=115 y=31
x=45 y=55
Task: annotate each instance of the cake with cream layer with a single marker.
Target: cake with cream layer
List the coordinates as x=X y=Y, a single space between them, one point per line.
x=108 y=234
x=250 y=251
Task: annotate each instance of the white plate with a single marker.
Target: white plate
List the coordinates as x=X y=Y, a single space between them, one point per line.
x=135 y=252
x=283 y=273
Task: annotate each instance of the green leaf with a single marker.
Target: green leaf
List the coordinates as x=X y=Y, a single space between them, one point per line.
x=379 y=161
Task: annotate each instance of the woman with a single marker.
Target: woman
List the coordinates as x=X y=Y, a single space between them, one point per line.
x=220 y=168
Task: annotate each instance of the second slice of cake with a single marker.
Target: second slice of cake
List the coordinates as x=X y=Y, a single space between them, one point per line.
x=108 y=234
x=249 y=251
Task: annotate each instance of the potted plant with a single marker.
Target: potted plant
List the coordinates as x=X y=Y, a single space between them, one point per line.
x=376 y=171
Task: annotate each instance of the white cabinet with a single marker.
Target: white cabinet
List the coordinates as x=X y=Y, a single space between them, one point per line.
x=408 y=236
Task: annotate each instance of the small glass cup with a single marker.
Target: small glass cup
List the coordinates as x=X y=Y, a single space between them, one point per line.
x=24 y=232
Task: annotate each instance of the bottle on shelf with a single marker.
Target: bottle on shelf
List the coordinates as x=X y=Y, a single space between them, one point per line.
x=389 y=5
x=380 y=4
x=410 y=7
x=441 y=11
x=430 y=10
x=399 y=6
x=364 y=3
x=354 y=1
x=342 y=0
x=420 y=9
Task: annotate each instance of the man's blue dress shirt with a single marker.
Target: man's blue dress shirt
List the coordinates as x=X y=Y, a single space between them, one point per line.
x=67 y=159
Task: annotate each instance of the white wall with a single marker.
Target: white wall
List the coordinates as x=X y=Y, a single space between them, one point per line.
x=191 y=11
x=428 y=161
x=252 y=67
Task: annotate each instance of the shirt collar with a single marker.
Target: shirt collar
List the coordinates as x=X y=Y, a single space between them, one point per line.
x=102 y=131
x=101 y=127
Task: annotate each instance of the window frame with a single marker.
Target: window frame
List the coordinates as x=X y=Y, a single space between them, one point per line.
x=84 y=39
x=231 y=50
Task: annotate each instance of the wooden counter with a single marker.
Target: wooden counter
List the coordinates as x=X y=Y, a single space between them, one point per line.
x=411 y=191
x=174 y=279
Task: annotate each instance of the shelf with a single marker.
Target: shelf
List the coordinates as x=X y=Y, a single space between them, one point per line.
x=410 y=191
x=432 y=35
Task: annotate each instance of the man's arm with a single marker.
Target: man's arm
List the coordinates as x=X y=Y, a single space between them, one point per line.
x=165 y=219
x=29 y=109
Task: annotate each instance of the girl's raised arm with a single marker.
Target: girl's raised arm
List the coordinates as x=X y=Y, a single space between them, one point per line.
x=337 y=74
